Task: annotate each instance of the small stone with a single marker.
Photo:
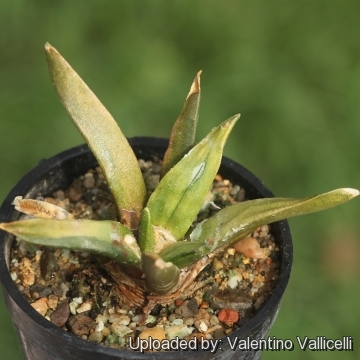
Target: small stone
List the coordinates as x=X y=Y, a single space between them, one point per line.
x=240 y=196
x=178 y=302
x=61 y=290
x=155 y=333
x=40 y=306
x=188 y=308
x=217 y=264
x=74 y=193
x=137 y=318
x=203 y=327
x=233 y=279
x=178 y=321
x=189 y=321
x=150 y=319
x=81 y=324
x=228 y=316
x=13 y=275
x=78 y=300
x=120 y=330
x=86 y=306
x=230 y=298
x=119 y=319
x=60 y=315
x=102 y=318
x=204 y=305
x=27 y=274
x=202 y=319
x=250 y=248
x=214 y=320
x=52 y=301
x=96 y=336
x=106 y=331
x=100 y=326
x=177 y=330
x=89 y=181
x=73 y=306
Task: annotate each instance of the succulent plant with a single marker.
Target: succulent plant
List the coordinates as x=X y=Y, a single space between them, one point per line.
x=155 y=235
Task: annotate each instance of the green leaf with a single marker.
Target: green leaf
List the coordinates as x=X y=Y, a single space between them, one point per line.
x=105 y=238
x=176 y=201
x=146 y=233
x=161 y=277
x=237 y=221
x=182 y=136
x=185 y=253
x=104 y=137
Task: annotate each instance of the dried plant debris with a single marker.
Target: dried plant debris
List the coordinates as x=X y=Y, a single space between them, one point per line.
x=74 y=292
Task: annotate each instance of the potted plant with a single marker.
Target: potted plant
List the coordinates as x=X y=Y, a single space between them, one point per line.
x=159 y=247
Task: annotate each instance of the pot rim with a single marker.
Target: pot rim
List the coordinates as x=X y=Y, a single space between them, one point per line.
x=52 y=163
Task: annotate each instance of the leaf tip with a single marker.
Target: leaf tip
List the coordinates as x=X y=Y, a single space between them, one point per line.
x=50 y=49
x=229 y=123
x=195 y=87
x=352 y=192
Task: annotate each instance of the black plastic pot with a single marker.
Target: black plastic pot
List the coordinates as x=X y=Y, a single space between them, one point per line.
x=40 y=339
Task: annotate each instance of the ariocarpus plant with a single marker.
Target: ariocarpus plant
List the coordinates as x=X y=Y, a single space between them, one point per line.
x=153 y=237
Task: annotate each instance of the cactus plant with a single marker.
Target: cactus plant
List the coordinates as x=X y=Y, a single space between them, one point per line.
x=153 y=235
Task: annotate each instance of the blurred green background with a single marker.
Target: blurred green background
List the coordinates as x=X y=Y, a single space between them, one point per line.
x=291 y=68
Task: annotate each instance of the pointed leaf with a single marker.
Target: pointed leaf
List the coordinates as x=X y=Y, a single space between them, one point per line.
x=161 y=277
x=176 y=201
x=237 y=221
x=105 y=238
x=182 y=136
x=146 y=234
x=185 y=253
x=103 y=135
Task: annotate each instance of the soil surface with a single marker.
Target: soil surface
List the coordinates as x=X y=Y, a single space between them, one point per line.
x=74 y=292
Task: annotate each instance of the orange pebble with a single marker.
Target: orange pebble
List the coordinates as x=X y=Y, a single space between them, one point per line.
x=228 y=316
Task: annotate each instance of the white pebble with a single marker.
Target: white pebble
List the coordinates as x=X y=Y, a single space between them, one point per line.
x=137 y=319
x=83 y=307
x=100 y=326
x=13 y=275
x=203 y=327
x=178 y=322
x=73 y=306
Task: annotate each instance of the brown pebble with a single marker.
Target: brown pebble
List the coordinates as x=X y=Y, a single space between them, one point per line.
x=235 y=298
x=81 y=324
x=74 y=193
x=188 y=308
x=204 y=305
x=228 y=316
x=61 y=314
x=178 y=302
